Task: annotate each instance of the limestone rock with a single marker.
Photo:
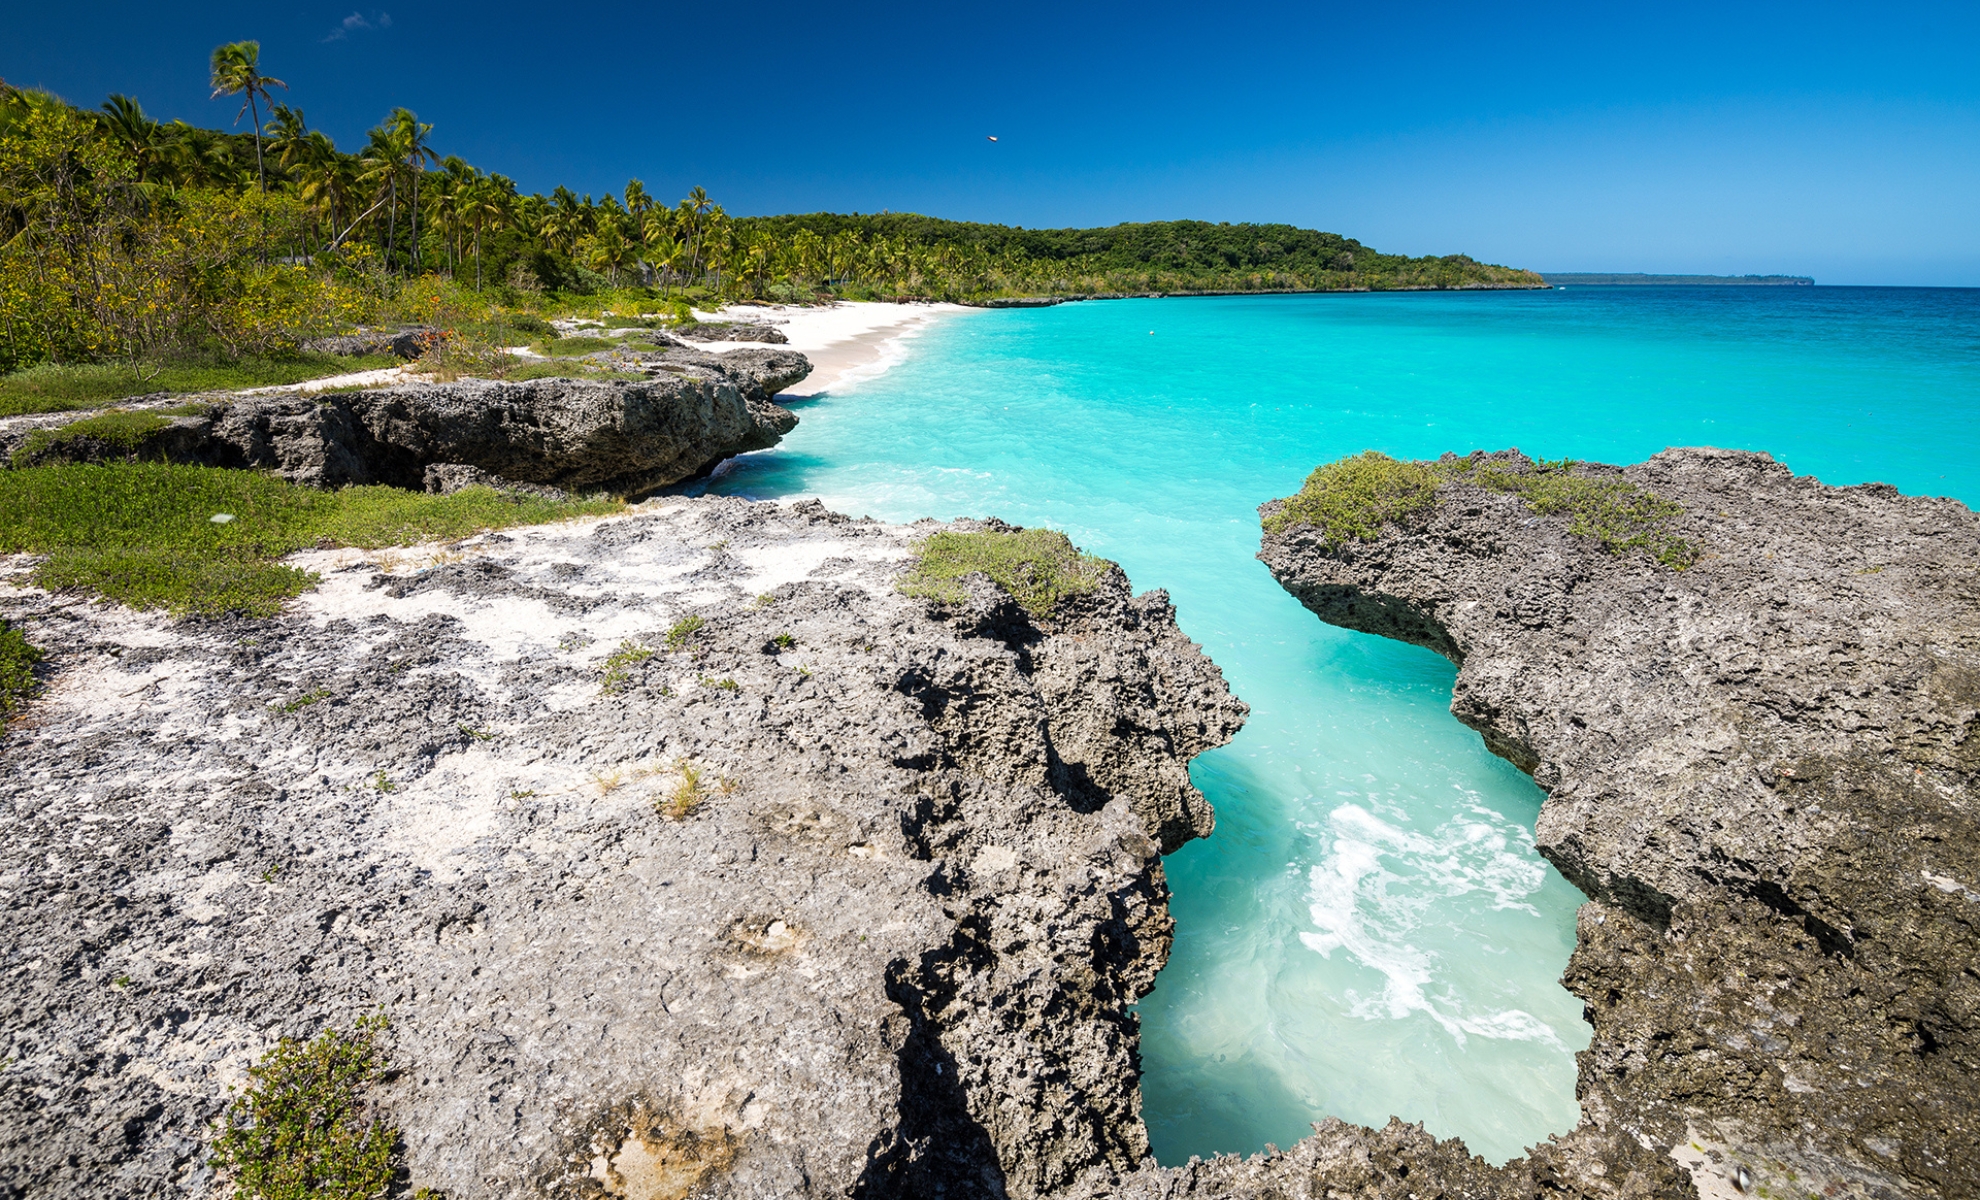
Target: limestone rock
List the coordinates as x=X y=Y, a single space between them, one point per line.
x=882 y=942
x=407 y=342
x=1762 y=771
x=730 y=331
x=574 y=435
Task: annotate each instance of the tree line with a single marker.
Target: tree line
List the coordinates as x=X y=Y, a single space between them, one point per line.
x=124 y=235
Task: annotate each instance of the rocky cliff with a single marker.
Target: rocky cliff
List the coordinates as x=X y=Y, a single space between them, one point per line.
x=1760 y=768
x=682 y=852
x=626 y=437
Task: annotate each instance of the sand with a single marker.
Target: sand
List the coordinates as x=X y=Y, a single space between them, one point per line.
x=846 y=342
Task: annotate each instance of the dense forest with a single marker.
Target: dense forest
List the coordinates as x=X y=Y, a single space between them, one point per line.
x=124 y=237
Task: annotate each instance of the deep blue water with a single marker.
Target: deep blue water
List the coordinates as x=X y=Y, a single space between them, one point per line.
x=1369 y=931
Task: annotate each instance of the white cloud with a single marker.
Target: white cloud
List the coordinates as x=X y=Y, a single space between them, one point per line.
x=357 y=22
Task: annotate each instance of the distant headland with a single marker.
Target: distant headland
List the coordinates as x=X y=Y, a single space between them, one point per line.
x=1639 y=279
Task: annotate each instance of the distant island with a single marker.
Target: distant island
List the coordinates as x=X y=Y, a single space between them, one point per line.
x=1639 y=279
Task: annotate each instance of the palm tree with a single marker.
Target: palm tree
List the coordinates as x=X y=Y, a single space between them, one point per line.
x=483 y=204
x=637 y=199
x=326 y=178
x=608 y=250
x=288 y=135
x=237 y=72
x=135 y=132
x=380 y=165
x=416 y=153
x=197 y=157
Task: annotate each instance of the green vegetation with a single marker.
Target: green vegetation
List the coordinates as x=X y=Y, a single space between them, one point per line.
x=146 y=244
x=1355 y=497
x=302 y=1129
x=146 y=534
x=17 y=660
x=617 y=671
x=569 y=346
x=1038 y=567
x=127 y=431
x=885 y=255
x=683 y=629
x=687 y=794
x=57 y=387
x=303 y=701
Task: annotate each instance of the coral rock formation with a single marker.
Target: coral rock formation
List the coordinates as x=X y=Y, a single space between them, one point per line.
x=682 y=851
x=1761 y=769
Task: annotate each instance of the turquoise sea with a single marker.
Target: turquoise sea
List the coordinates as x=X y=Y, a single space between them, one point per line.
x=1369 y=931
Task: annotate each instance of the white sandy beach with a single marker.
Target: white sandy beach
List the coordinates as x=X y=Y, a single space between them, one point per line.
x=846 y=342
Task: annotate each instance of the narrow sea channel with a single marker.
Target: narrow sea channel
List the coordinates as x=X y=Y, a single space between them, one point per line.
x=1369 y=932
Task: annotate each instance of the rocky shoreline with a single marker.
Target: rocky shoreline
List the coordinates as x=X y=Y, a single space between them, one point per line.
x=1761 y=769
x=682 y=852
x=686 y=855
x=627 y=436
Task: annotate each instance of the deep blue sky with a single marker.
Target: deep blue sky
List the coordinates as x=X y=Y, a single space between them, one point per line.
x=1841 y=141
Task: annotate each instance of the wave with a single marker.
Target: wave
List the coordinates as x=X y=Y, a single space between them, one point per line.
x=1360 y=906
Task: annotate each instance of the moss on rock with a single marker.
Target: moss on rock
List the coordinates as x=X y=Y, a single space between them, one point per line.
x=1355 y=497
x=1038 y=567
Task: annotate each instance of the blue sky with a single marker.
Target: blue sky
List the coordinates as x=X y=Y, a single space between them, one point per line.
x=1841 y=141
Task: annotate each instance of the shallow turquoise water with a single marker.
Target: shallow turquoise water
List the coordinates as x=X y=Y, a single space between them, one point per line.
x=1369 y=931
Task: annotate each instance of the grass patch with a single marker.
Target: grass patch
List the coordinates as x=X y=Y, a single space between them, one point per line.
x=58 y=388
x=302 y=1128
x=17 y=660
x=303 y=701
x=127 y=431
x=682 y=630
x=688 y=793
x=617 y=671
x=1038 y=567
x=1353 y=498
x=144 y=534
x=575 y=344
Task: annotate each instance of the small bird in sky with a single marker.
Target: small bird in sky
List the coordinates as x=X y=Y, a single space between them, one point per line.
x=991 y=136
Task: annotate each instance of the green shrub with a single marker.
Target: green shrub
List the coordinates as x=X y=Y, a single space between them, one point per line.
x=1038 y=567
x=301 y=1130
x=145 y=534
x=1615 y=512
x=617 y=671
x=683 y=629
x=127 y=431
x=17 y=660
x=1355 y=497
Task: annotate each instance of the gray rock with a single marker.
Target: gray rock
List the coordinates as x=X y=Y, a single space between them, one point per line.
x=891 y=952
x=730 y=331
x=1761 y=769
x=444 y=479
x=573 y=435
x=408 y=341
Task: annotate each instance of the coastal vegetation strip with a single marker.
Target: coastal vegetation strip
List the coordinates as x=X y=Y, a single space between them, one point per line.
x=139 y=255
x=1355 y=497
x=205 y=541
x=1038 y=567
x=1640 y=279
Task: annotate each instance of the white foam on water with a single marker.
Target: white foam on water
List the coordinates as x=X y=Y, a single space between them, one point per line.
x=1360 y=906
